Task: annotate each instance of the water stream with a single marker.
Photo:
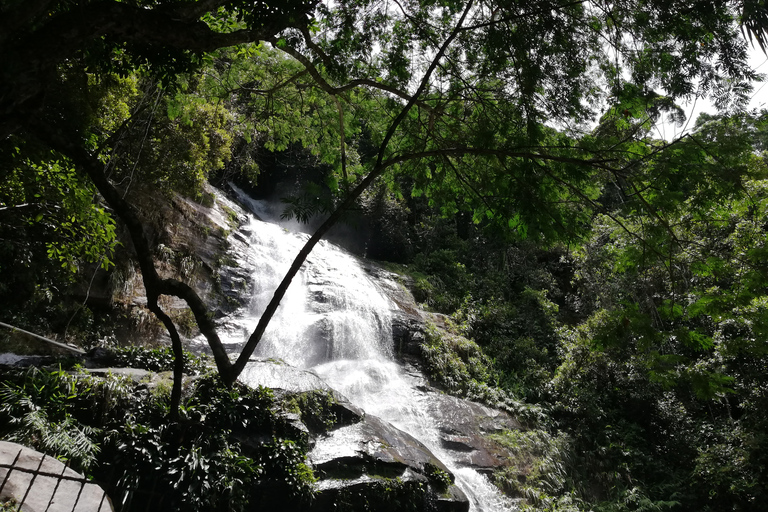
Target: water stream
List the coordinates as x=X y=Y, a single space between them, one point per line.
x=335 y=321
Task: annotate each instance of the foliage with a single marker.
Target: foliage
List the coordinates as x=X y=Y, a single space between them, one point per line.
x=642 y=344
x=460 y=367
x=614 y=277
x=36 y=412
x=540 y=470
x=456 y=362
x=158 y=360
x=654 y=382
x=508 y=297
x=117 y=431
x=176 y=145
x=51 y=228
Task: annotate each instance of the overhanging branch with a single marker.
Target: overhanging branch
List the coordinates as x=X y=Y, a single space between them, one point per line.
x=378 y=169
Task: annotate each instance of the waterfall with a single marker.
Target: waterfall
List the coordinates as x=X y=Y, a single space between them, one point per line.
x=335 y=321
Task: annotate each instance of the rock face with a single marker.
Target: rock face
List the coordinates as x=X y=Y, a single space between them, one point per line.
x=37 y=482
x=362 y=462
x=464 y=426
x=191 y=241
x=372 y=464
x=408 y=322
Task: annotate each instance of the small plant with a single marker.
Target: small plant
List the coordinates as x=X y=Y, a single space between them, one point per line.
x=8 y=505
x=159 y=360
x=440 y=479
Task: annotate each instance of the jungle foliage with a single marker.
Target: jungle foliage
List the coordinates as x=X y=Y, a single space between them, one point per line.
x=644 y=344
x=113 y=429
x=613 y=278
x=481 y=108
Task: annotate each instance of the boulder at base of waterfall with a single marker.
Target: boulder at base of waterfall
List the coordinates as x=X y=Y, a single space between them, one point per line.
x=36 y=481
x=371 y=465
x=464 y=427
x=320 y=408
x=286 y=380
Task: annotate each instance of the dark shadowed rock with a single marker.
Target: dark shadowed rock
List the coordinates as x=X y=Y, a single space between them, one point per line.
x=353 y=463
x=464 y=427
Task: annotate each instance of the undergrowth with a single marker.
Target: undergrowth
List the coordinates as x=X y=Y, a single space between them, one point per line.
x=232 y=450
x=459 y=366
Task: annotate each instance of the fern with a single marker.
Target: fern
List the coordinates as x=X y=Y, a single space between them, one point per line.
x=30 y=425
x=71 y=441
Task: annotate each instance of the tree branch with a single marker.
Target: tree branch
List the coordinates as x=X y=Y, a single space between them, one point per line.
x=332 y=90
x=153 y=284
x=378 y=169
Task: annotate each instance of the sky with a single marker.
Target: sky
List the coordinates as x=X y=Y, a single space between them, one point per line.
x=759 y=62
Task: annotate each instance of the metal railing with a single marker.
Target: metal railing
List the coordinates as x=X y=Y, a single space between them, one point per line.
x=40 y=489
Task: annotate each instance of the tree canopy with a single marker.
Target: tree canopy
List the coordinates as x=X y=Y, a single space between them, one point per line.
x=485 y=108
x=615 y=277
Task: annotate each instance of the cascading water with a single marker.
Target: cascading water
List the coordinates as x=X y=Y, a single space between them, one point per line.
x=335 y=321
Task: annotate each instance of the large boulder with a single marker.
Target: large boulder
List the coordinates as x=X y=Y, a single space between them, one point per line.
x=375 y=466
x=464 y=427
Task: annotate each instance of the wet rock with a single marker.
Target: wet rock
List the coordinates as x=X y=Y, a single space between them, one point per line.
x=303 y=387
x=280 y=376
x=355 y=461
x=464 y=427
x=298 y=430
x=408 y=334
x=452 y=500
x=39 y=482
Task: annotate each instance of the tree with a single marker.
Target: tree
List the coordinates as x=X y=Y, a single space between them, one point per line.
x=485 y=106
x=663 y=381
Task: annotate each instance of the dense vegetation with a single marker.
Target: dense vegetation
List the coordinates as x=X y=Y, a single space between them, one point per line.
x=113 y=429
x=615 y=280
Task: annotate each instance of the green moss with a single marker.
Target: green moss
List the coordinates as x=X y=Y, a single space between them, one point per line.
x=439 y=480
x=116 y=428
x=385 y=495
x=316 y=409
x=233 y=219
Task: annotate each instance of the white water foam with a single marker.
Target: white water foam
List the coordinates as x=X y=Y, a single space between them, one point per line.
x=336 y=322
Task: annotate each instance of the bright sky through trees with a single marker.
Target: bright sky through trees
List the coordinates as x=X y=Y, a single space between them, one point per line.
x=759 y=62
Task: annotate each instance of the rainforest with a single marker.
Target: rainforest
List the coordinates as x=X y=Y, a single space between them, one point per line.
x=230 y=208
